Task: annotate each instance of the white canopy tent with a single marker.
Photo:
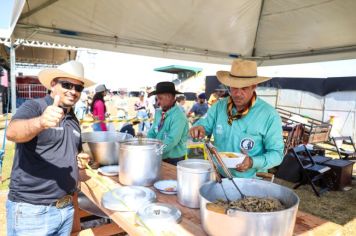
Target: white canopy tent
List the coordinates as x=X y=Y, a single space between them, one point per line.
x=273 y=32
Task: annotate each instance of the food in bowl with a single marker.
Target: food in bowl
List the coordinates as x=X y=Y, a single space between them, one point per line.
x=231 y=159
x=230 y=155
x=252 y=204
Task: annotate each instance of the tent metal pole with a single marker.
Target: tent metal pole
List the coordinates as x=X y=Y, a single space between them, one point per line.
x=13 y=75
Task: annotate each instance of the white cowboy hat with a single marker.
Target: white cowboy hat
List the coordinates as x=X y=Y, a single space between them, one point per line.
x=70 y=69
x=243 y=74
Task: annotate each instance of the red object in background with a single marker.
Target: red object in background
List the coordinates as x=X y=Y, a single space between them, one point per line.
x=29 y=87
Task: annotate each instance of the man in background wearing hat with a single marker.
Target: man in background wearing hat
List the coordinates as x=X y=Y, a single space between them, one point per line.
x=45 y=170
x=219 y=93
x=199 y=109
x=170 y=124
x=244 y=123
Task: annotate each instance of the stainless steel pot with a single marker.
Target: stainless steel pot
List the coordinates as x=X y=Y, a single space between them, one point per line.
x=103 y=146
x=191 y=174
x=278 y=223
x=140 y=161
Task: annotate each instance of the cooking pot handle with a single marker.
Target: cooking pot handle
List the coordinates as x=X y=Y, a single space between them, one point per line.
x=159 y=151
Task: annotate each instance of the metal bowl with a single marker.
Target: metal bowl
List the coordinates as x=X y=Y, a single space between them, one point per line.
x=277 y=223
x=104 y=146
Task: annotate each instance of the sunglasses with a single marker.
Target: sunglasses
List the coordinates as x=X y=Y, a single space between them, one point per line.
x=68 y=85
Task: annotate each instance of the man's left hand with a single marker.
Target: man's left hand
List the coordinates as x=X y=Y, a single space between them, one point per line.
x=246 y=164
x=82 y=160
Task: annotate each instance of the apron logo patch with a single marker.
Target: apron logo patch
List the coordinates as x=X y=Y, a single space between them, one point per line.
x=247 y=144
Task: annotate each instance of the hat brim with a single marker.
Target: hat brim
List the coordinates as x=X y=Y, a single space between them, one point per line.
x=47 y=75
x=155 y=93
x=238 y=82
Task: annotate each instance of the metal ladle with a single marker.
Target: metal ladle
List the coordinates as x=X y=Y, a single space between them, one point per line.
x=214 y=151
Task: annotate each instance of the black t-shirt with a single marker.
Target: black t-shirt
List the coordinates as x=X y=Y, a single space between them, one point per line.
x=45 y=168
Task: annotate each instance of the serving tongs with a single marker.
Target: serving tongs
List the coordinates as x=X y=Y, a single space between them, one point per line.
x=213 y=206
x=215 y=152
x=212 y=151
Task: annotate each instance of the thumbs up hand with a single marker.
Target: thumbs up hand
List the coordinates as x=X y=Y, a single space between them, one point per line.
x=52 y=116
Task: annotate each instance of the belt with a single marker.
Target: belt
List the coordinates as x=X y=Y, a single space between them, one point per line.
x=63 y=202
x=60 y=203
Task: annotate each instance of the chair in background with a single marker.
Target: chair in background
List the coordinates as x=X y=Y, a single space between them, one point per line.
x=312 y=172
x=293 y=136
x=345 y=154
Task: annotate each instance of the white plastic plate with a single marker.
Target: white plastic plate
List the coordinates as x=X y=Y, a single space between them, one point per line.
x=166 y=186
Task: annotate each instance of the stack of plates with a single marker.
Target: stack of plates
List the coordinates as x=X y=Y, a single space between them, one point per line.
x=129 y=198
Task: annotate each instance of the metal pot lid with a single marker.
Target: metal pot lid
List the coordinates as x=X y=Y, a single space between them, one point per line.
x=158 y=214
x=128 y=198
x=195 y=166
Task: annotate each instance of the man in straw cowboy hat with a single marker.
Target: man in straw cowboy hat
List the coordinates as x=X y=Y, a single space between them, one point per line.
x=170 y=123
x=45 y=169
x=244 y=123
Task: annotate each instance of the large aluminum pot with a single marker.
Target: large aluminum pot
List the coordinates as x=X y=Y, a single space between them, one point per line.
x=278 y=223
x=103 y=146
x=140 y=161
x=191 y=175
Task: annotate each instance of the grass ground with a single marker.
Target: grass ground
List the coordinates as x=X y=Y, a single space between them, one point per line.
x=336 y=206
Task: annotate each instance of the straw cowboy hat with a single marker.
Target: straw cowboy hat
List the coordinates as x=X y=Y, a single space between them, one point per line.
x=70 y=69
x=243 y=74
x=165 y=87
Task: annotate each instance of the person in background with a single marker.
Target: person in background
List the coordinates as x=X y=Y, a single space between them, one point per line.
x=244 y=123
x=128 y=127
x=219 y=93
x=199 y=108
x=152 y=103
x=181 y=101
x=170 y=124
x=141 y=106
x=81 y=108
x=122 y=104
x=98 y=108
x=44 y=174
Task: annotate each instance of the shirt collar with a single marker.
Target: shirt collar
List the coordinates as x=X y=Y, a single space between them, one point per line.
x=171 y=110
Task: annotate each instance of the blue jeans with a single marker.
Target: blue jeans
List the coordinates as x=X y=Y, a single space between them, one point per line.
x=99 y=126
x=144 y=125
x=28 y=219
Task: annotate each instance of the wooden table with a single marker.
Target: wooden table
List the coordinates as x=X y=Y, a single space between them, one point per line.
x=306 y=224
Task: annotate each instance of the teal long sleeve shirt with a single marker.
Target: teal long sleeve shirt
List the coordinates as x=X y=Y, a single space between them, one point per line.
x=174 y=132
x=259 y=133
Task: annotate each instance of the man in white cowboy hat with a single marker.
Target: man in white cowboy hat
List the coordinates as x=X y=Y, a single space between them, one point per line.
x=244 y=123
x=170 y=124
x=45 y=169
